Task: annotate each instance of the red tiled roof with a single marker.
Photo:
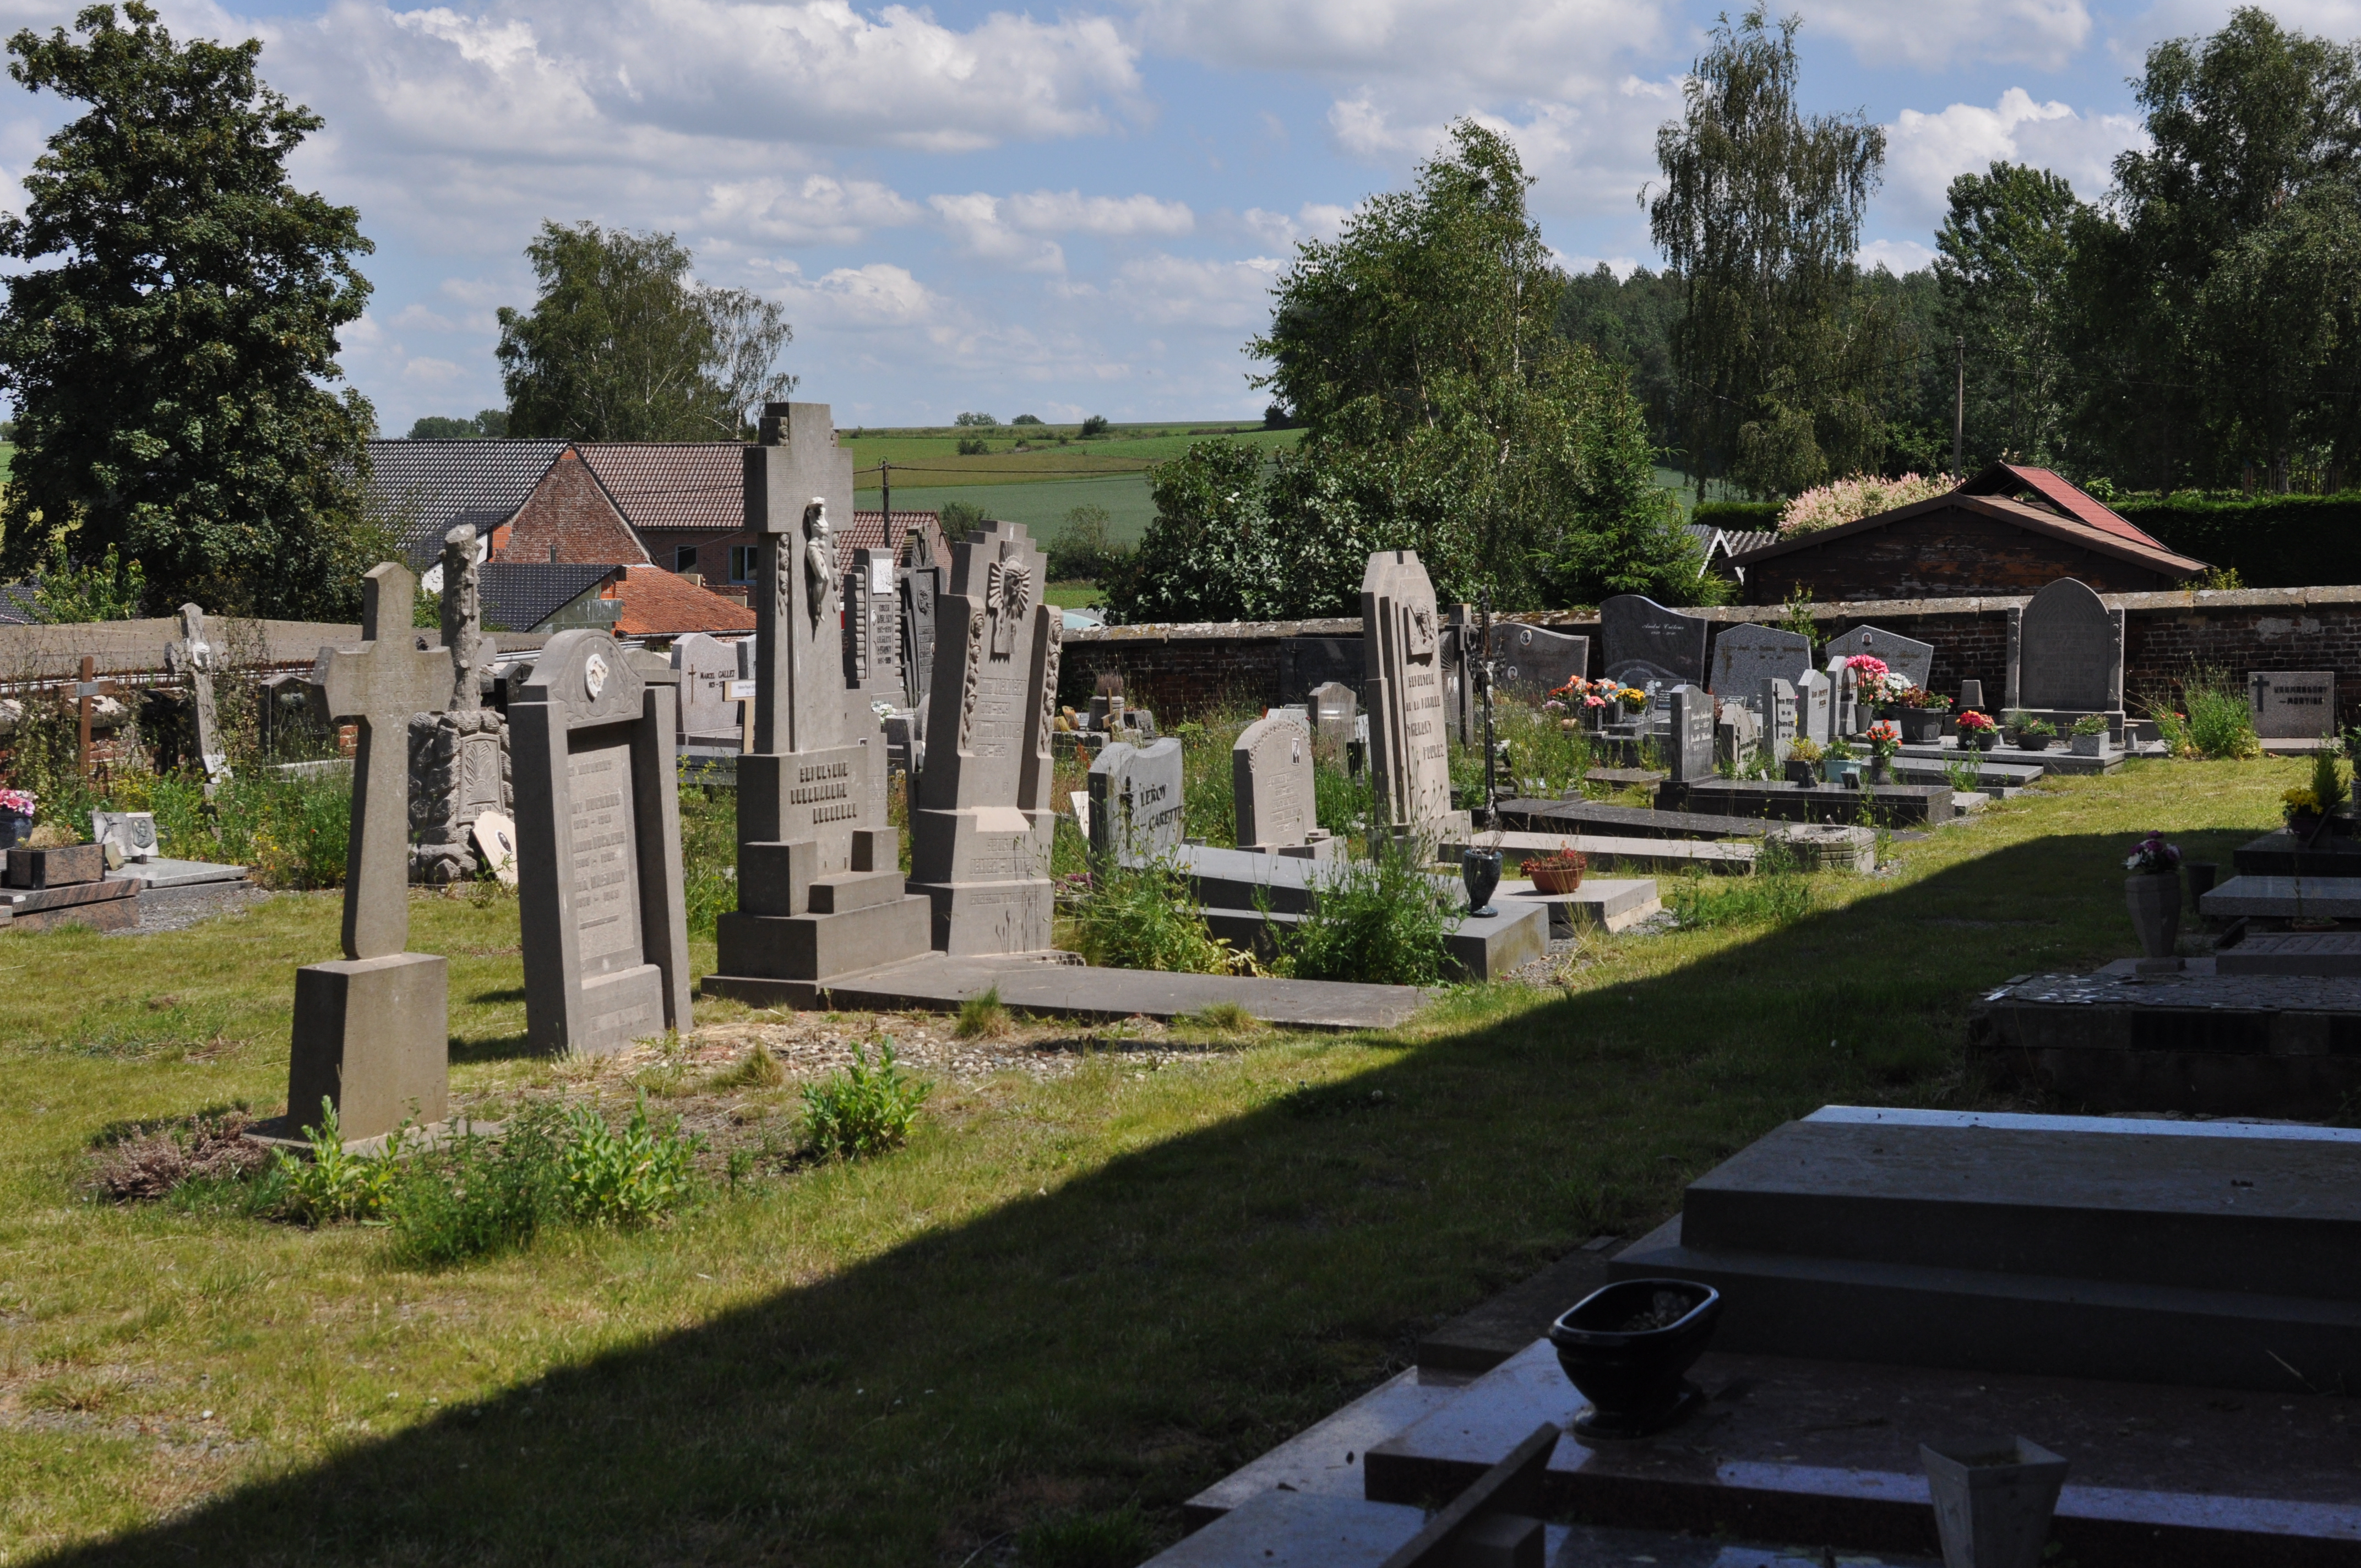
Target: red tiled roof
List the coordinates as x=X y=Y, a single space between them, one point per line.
x=657 y=603
x=868 y=530
x=2133 y=546
x=696 y=487
x=2060 y=492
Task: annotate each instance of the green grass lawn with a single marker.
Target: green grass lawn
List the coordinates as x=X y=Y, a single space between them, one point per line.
x=1041 y=506
x=1066 y=1307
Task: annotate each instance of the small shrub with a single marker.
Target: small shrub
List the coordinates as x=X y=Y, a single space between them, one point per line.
x=865 y=1110
x=758 y=1068
x=982 y=1017
x=1222 y=1017
x=477 y=1198
x=145 y=1162
x=1965 y=776
x=334 y=1184
x=2211 y=720
x=1382 y=920
x=1143 y=918
x=627 y=1177
x=1096 y=424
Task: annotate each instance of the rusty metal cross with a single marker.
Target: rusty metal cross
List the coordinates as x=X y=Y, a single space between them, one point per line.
x=87 y=691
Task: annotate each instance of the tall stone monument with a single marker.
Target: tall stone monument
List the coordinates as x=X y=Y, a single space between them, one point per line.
x=598 y=875
x=819 y=884
x=917 y=584
x=460 y=756
x=980 y=837
x=2069 y=652
x=1403 y=690
x=372 y=1029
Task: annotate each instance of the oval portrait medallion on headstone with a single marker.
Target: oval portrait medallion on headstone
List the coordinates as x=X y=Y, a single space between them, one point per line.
x=594 y=675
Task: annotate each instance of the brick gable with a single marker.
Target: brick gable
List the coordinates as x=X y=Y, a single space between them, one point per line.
x=568 y=520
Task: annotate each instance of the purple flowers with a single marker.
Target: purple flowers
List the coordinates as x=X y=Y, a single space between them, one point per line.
x=2154 y=855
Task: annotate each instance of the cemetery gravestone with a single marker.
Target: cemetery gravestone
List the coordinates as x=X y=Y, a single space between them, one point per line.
x=1746 y=656
x=598 y=874
x=1779 y=718
x=1814 y=711
x=459 y=755
x=1906 y=656
x=2292 y=705
x=872 y=630
x=372 y=1029
x=1972 y=695
x=918 y=583
x=1692 y=736
x=195 y=660
x=1271 y=777
x=133 y=833
x=819 y=890
x=1844 y=698
x=1335 y=710
x=1403 y=689
x=980 y=836
x=2069 y=652
x=707 y=666
x=1645 y=642
x=1533 y=661
x=1135 y=800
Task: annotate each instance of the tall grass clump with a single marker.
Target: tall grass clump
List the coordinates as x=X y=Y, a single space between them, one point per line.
x=1145 y=917
x=478 y=1199
x=1383 y=920
x=708 y=855
x=2211 y=719
x=863 y=1110
x=1208 y=783
x=1776 y=893
x=1548 y=744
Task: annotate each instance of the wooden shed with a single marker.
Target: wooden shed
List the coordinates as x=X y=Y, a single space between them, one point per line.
x=2010 y=530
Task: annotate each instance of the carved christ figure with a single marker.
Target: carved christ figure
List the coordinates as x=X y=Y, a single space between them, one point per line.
x=1008 y=593
x=819 y=557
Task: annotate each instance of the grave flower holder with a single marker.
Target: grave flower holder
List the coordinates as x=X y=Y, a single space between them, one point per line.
x=1994 y=1502
x=1921 y=726
x=1628 y=1347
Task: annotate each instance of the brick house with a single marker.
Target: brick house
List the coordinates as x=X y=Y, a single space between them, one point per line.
x=2010 y=530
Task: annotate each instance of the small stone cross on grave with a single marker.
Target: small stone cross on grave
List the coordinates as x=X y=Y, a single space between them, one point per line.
x=87 y=692
x=195 y=660
x=379 y=685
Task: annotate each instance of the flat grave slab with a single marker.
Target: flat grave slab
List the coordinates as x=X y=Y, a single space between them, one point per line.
x=1607 y=904
x=2284 y=854
x=2064 y=1247
x=1624 y=821
x=101 y=906
x=1620 y=853
x=1828 y=1452
x=2284 y=897
x=175 y=874
x=1325 y=1458
x=1484 y=947
x=2005 y=779
x=2057 y=761
x=1915 y=805
x=2293 y=952
x=1627 y=778
x=1054 y=988
x=2198 y=1040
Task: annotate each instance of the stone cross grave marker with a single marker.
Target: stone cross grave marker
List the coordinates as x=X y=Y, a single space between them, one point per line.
x=459 y=765
x=820 y=887
x=1271 y=777
x=1403 y=690
x=1746 y=656
x=1814 y=710
x=1906 y=656
x=1645 y=642
x=372 y=1029
x=980 y=837
x=1533 y=661
x=2069 y=652
x=87 y=691
x=1690 y=742
x=2292 y=705
x=707 y=665
x=1778 y=702
x=598 y=872
x=195 y=660
x=1135 y=800
x=1335 y=707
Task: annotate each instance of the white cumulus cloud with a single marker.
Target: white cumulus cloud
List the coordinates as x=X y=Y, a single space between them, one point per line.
x=2041 y=33
x=1926 y=151
x=1187 y=290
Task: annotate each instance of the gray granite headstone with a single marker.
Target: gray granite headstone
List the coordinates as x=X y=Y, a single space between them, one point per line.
x=1780 y=721
x=1135 y=794
x=2292 y=705
x=1533 y=661
x=1403 y=639
x=1844 y=698
x=1906 y=656
x=1690 y=743
x=1746 y=656
x=1814 y=710
x=707 y=666
x=2069 y=652
x=918 y=585
x=872 y=628
x=1645 y=642
x=1270 y=776
x=1335 y=711
x=598 y=872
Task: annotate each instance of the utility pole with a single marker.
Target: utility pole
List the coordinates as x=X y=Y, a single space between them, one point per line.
x=885 y=484
x=1960 y=411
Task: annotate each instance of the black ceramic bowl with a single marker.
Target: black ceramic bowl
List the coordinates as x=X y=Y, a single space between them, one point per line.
x=1633 y=1376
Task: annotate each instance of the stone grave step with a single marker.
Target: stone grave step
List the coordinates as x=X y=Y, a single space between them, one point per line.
x=2060 y=761
x=1053 y=986
x=101 y=906
x=1826 y=1451
x=1483 y=948
x=2004 y=780
x=2293 y=952
x=2284 y=898
x=2150 y=1251
x=1620 y=854
x=1912 y=805
x=1528 y=816
x=2284 y=854
x=841 y=893
x=160 y=873
x=1323 y=1460
x=1607 y=904
x=2196 y=1041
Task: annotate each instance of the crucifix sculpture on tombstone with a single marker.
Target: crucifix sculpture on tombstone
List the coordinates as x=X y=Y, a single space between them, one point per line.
x=87 y=692
x=194 y=659
x=371 y=1031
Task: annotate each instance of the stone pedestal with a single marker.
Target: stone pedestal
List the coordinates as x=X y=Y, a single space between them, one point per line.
x=459 y=768
x=998 y=897
x=798 y=925
x=369 y=1036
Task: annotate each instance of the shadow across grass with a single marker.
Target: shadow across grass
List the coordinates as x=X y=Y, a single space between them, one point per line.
x=1117 y=1342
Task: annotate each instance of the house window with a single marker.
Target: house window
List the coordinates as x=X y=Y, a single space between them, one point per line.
x=684 y=559
x=744 y=561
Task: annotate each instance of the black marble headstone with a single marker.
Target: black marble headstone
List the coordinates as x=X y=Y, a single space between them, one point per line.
x=1645 y=642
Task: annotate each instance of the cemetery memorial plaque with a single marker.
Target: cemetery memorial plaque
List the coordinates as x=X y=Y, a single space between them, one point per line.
x=820 y=888
x=1692 y=737
x=1403 y=689
x=1533 y=661
x=706 y=667
x=981 y=834
x=1746 y=656
x=1270 y=776
x=1906 y=656
x=1644 y=641
x=133 y=833
x=2069 y=652
x=1305 y=662
x=606 y=934
x=2292 y=705
x=1780 y=722
x=1135 y=800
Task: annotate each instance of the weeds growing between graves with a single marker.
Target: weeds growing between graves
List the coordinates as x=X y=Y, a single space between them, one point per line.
x=863 y=1110
x=1381 y=920
x=2211 y=720
x=708 y=854
x=1145 y=917
x=982 y=1017
x=1777 y=893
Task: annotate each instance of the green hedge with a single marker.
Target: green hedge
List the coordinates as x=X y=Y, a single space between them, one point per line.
x=1738 y=516
x=2273 y=542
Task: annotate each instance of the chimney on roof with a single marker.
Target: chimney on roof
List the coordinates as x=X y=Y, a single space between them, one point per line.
x=553 y=555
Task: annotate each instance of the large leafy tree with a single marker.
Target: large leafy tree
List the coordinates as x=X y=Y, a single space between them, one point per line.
x=1779 y=355
x=623 y=345
x=171 y=345
x=1443 y=413
x=2001 y=263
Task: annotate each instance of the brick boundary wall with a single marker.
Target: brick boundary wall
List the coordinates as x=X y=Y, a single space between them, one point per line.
x=1181 y=669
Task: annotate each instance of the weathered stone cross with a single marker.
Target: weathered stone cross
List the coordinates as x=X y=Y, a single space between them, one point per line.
x=191 y=657
x=379 y=685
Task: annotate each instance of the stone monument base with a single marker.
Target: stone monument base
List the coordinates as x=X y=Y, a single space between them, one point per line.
x=973 y=918
x=372 y=1036
x=798 y=925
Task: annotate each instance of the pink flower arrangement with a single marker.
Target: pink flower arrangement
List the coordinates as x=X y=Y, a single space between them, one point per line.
x=1976 y=722
x=21 y=801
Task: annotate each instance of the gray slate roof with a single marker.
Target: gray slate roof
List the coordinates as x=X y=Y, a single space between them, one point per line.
x=519 y=595
x=423 y=486
x=17 y=604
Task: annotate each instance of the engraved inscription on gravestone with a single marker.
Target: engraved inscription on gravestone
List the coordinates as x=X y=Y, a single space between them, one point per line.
x=1533 y=661
x=1135 y=799
x=1814 y=707
x=1271 y=781
x=2292 y=705
x=1778 y=702
x=1746 y=656
x=1692 y=733
x=605 y=893
x=2069 y=652
x=707 y=665
x=1644 y=641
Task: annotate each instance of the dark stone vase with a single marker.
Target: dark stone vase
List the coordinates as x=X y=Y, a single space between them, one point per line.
x=1921 y=726
x=1480 y=869
x=1634 y=1378
x=15 y=828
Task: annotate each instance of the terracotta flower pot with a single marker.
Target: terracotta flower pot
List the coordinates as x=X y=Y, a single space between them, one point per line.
x=2154 y=898
x=1555 y=879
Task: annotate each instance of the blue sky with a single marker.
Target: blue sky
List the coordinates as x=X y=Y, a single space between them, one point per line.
x=1071 y=211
